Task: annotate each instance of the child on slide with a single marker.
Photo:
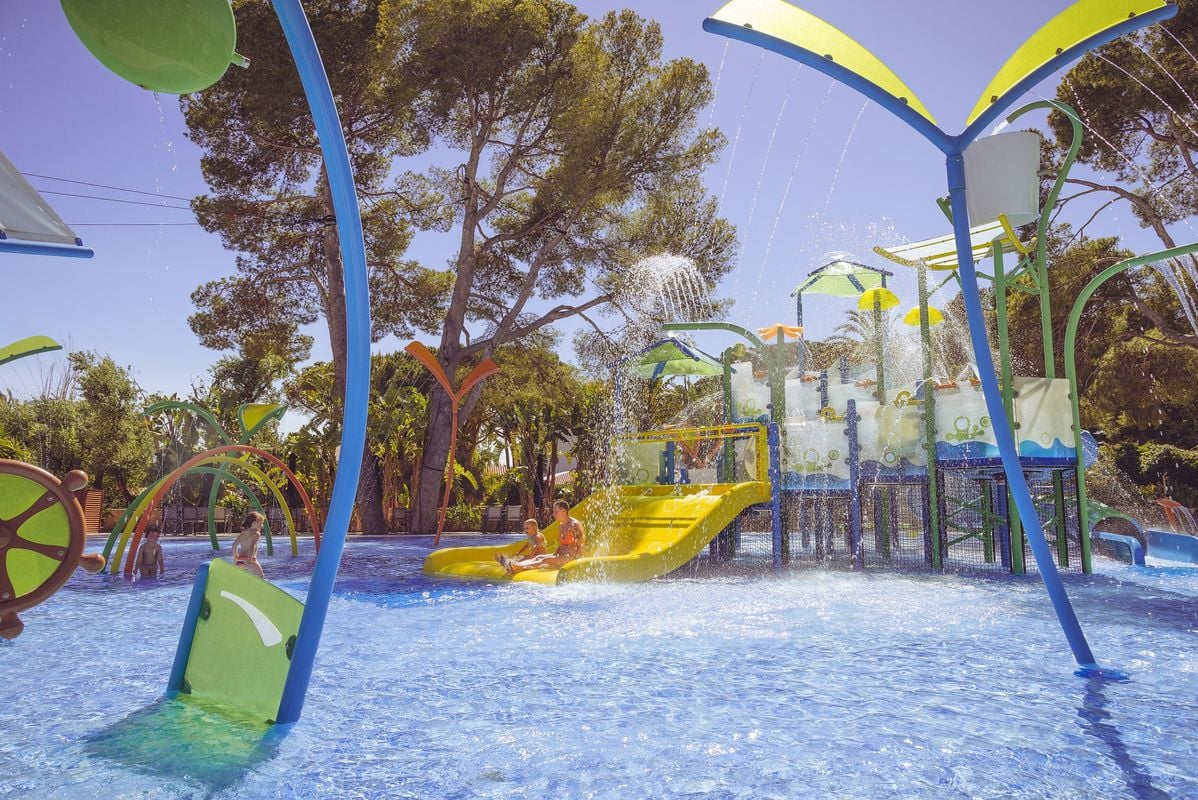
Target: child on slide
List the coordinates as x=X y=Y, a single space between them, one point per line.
x=533 y=547
x=571 y=539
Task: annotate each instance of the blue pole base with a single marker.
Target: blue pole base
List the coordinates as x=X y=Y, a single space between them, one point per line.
x=1104 y=674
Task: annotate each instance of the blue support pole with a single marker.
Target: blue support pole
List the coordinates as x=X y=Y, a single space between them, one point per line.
x=850 y=430
x=357 y=328
x=1002 y=430
x=775 y=474
x=183 y=652
x=1003 y=530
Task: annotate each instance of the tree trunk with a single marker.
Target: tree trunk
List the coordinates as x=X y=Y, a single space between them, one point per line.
x=370 y=494
x=427 y=499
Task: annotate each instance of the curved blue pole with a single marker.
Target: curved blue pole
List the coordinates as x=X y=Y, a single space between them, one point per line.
x=357 y=375
x=1002 y=430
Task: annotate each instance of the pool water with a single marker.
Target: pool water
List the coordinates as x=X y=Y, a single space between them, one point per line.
x=814 y=684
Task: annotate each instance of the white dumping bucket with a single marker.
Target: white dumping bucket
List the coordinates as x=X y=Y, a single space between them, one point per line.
x=1001 y=178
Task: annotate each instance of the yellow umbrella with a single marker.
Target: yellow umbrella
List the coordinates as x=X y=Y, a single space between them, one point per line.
x=884 y=297
x=935 y=317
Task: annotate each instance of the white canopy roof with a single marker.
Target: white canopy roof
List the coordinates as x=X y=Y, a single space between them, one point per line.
x=24 y=214
x=941 y=252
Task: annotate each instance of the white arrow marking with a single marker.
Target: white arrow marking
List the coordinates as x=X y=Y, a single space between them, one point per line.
x=267 y=631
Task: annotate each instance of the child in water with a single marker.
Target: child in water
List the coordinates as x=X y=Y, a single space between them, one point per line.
x=149 y=557
x=245 y=546
x=533 y=547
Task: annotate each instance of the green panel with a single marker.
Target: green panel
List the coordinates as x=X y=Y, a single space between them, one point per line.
x=17 y=494
x=1070 y=28
x=235 y=661
x=783 y=21
x=28 y=570
x=50 y=526
x=841 y=279
x=28 y=347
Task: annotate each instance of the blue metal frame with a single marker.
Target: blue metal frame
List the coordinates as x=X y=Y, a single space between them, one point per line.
x=774 y=439
x=27 y=248
x=357 y=328
x=851 y=418
x=183 y=652
x=954 y=147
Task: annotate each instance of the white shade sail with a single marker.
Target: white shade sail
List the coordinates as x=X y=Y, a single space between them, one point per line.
x=25 y=215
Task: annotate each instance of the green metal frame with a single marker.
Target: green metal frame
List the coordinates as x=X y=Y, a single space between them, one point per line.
x=1070 y=358
x=773 y=359
x=929 y=419
x=222 y=474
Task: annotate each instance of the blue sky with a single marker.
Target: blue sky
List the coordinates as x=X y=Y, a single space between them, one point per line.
x=63 y=115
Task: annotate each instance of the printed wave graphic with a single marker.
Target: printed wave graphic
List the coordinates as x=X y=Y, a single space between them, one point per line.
x=976 y=451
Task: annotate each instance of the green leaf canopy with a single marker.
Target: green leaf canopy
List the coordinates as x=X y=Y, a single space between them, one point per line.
x=842 y=278
x=672 y=357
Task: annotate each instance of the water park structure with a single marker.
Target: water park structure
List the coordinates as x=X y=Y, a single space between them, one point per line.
x=963 y=436
x=894 y=467
x=217 y=462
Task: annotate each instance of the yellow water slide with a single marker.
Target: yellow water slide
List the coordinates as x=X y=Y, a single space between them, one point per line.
x=633 y=533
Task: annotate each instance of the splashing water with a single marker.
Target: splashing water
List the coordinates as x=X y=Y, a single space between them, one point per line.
x=719 y=74
x=848 y=140
x=1162 y=68
x=1185 y=49
x=1148 y=89
x=770 y=148
x=1188 y=306
x=736 y=139
x=670 y=284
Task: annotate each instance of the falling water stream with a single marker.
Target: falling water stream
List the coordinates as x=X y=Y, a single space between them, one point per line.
x=770 y=148
x=1162 y=68
x=848 y=141
x=794 y=170
x=736 y=139
x=719 y=74
x=1148 y=89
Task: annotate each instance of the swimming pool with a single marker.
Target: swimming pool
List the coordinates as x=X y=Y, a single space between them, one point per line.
x=815 y=684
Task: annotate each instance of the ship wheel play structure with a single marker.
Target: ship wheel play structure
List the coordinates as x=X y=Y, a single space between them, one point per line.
x=41 y=538
x=42 y=534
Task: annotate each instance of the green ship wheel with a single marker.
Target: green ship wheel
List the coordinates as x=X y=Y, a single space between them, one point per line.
x=41 y=538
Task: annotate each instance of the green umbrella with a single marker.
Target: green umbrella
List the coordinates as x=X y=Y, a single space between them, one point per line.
x=672 y=357
x=841 y=278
